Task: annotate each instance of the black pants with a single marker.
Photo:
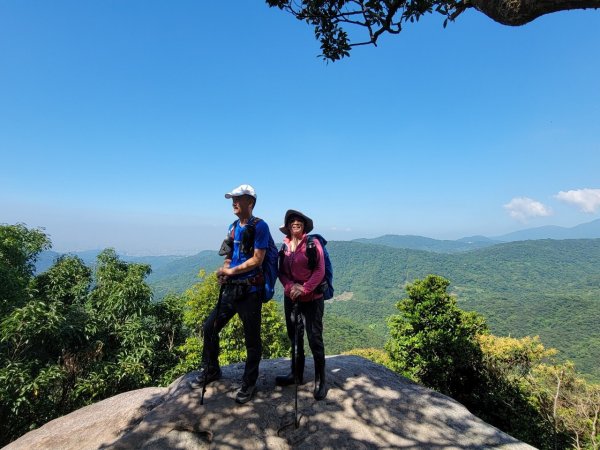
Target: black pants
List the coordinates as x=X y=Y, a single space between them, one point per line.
x=310 y=317
x=248 y=306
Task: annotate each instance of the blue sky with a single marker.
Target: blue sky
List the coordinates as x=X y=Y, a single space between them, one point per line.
x=123 y=124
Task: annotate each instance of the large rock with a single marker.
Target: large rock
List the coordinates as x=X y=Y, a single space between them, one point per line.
x=367 y=406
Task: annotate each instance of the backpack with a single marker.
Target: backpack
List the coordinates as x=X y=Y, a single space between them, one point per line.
x=326 y=286
x=269 y=264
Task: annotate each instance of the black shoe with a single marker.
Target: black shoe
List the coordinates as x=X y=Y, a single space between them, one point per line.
x=286 y=380
x=245 y=394
x=212 y=375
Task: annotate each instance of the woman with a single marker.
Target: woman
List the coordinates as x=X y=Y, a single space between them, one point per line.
x=301 y=294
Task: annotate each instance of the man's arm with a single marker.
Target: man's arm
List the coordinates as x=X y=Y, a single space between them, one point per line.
x=246 y=266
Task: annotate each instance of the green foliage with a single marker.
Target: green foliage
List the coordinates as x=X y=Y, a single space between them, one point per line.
x=19 y=247
x=376 y=355
x=68 y=338
x=570 y=405
x=120 y=289
x=514 y=384
x=168 y=325
x=330 y=19
x=433 y=341
x=341 y=334
x=504 y=396
x=340 y=25
x=67 y=281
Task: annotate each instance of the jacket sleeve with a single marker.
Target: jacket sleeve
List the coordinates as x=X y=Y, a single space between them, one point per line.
x=319 y=273
x=284 y=278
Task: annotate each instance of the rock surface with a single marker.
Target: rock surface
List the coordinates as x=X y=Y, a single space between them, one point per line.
x=367 y=406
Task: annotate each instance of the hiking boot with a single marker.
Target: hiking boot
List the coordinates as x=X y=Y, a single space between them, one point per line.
x=212 y=375
x=320 y=391
x=245 y=394
x=286 y=380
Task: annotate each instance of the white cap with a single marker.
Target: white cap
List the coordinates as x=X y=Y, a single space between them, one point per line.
x=244 y=189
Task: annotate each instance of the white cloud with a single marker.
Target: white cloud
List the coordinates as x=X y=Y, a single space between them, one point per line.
x=522 y=208
x=588 y=200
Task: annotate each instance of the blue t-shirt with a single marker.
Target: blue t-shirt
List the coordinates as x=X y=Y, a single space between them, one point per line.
x=261 y=241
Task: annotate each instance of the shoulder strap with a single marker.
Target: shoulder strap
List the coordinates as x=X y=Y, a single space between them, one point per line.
x=311 y=252
x=248 y=235
x=232 y=229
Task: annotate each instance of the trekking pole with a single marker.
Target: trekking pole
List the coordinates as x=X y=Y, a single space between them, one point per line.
x=296 y=422
x=207 y=368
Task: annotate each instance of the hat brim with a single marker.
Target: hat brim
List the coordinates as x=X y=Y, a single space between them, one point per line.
x=308 y=222
x=230 y=195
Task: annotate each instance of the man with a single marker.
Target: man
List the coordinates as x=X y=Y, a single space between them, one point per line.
x=241 y=278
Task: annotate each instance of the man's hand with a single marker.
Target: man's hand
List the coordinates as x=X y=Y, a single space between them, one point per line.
x=224 y=272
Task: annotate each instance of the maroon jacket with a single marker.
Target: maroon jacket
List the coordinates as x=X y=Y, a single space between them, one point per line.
x=294 y=269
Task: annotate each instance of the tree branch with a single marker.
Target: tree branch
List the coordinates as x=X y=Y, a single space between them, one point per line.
x=520 y=12
x=387 y=16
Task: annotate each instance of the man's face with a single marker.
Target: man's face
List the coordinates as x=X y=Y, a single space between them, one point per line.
x=242 y=204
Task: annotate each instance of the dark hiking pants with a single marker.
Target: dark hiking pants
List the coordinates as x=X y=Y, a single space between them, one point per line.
x=235 y=299
x=310 y=317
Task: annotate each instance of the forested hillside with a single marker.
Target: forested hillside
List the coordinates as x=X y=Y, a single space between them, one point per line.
x=550 y=288
x=182 y=273
x=547 y=287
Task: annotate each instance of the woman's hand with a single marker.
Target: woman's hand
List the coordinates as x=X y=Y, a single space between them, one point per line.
x=296 y=291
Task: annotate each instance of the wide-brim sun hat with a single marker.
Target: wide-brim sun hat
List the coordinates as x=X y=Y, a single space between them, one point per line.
x=244 y=189
x=308 y=223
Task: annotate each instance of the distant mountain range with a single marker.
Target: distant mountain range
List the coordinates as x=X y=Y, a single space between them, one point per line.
x=47 y=258
x=429 y=244
x=589 y=230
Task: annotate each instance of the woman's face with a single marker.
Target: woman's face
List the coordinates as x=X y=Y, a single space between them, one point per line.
x=296 y=227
